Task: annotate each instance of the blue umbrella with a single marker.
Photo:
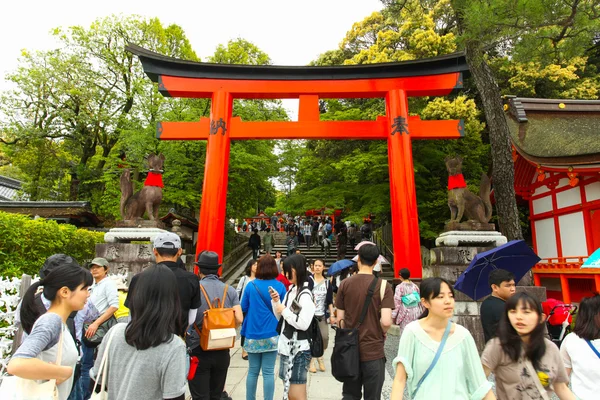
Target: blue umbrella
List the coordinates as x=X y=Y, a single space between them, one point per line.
x=514 y=256
x=339 y=266
x=593 y=261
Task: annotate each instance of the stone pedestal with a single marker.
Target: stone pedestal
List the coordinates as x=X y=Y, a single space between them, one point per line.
x=449 y=263
x=470 y=238
x=129 y=258
x=125 y=235
x=126 y=258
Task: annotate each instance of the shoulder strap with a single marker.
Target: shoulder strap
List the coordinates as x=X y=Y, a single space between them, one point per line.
x=435 y=359
x=363 y=314
x=224 y=296
x=593 y=348
x=382 y=289
x=536 y=380
x=103 y=365
x=261 y=296
x=206 y=296
x=221 y=303
x=60 y=346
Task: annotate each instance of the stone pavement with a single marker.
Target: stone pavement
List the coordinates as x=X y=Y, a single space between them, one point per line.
x=321 y=385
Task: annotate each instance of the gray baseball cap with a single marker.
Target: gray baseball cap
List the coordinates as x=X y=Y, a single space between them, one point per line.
x=103 y=262
x=167 y=240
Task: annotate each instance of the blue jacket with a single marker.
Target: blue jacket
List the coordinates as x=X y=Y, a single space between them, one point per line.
x=260 y=322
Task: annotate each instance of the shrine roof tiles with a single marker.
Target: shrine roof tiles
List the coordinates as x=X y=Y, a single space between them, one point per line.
x=555 y=131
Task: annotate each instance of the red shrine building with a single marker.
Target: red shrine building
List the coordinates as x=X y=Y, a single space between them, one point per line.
x=556 y=151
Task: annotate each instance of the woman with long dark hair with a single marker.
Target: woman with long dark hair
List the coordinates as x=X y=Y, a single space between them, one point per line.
x=297 y=311
x=249 y=275
x=527 y=365
x=147 y=358
x=323 y=295
x=66 y=287
x=260 y=327
x=581 y=350
x=456 y=372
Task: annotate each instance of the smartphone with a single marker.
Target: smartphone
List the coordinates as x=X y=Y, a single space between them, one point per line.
x=272 y=289
x=295 y=307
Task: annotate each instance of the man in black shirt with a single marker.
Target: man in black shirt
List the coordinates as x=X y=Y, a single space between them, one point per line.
x=503 y=287
x=167 y=250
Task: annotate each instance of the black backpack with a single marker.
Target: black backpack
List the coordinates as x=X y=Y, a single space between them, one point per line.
x=345 y=359
x=312 y=334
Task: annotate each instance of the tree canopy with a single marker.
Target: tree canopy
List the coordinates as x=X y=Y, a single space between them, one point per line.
x=80 y=113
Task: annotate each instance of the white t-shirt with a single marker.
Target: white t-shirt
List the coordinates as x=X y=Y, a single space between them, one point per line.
x=104 y=294
x=585 y=377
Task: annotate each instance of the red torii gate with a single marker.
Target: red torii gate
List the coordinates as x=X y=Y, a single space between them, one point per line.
x=395 y=82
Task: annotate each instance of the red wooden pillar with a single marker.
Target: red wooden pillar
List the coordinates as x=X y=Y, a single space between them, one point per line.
x=403 y=195
x=564 y=287
x=537 y=280
x=211 y=229
x=597 y=279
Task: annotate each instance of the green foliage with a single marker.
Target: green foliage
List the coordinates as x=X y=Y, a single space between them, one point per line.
x=77 y=110
x=25 y=243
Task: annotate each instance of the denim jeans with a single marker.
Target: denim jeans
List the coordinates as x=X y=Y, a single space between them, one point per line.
x=266 y=362
x=77 y=391
x=87 y=362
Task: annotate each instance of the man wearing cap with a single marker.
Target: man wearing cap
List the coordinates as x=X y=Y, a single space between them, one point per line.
x=167 y=250
x=209 y=381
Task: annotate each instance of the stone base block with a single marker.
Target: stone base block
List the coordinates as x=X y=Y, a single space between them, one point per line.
x=470 y=238
x=139 y=223
x=125 y=235
x=469 y=226
x=126 y=258
x=454 y=255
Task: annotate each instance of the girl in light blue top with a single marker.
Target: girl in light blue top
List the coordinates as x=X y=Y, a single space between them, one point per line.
x=458 y=373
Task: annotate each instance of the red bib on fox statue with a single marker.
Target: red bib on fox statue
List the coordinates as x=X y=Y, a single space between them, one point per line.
x=154 y=179
x=456 y=182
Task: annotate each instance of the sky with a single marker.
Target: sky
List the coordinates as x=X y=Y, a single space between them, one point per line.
x=291 y=33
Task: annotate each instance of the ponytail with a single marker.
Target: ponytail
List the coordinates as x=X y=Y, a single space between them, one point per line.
x=69 y=276
x=29 y=312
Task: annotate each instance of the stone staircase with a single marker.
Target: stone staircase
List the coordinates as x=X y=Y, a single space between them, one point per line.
x=312 y=253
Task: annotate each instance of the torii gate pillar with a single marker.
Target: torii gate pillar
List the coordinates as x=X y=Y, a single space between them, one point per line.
x=403 y=195
x=211 y=229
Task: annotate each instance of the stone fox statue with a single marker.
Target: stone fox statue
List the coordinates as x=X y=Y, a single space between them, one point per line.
x=146 y=200
x=461 y=201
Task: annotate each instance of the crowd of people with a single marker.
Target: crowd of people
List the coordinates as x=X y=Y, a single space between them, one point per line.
x=313 y=232
x=526 y=364
x=173 y=331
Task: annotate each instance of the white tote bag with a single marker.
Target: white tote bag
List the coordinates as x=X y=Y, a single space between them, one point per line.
x=15 y=388
x=103 y=369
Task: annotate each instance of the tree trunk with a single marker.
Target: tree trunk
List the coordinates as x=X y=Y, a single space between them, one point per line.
x=503 y=174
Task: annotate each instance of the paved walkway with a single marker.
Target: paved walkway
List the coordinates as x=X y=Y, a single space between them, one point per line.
x=320 y=385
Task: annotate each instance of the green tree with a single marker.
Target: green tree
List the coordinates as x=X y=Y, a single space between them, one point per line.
x=88 y=93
